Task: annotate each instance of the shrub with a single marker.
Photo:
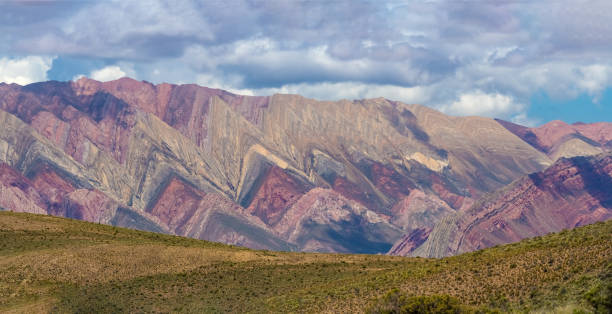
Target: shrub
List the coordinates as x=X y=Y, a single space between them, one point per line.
x=600 y=297
x=395 y=302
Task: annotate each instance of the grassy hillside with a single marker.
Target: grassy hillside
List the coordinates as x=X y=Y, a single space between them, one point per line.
x=61 y=265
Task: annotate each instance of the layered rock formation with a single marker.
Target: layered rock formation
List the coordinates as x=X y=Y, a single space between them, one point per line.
x=281 y=172
x=572 y=192
x=558 y=139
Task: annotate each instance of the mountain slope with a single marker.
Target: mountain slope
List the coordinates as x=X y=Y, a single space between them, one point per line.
x=184 y=158
x=82 y=151
x=572 y=192
x=159 y=150
x=50 y=264
x=558 y=139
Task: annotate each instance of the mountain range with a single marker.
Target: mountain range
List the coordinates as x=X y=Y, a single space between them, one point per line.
x=290 y=173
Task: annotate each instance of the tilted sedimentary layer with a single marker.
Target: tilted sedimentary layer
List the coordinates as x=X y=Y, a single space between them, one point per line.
x=282 y=172
x=572 y=192
x=558 y=139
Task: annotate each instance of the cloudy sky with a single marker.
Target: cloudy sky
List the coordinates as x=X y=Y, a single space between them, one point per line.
x=525 y=61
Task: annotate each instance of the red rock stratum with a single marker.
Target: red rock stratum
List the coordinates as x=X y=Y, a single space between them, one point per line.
x=281 y=172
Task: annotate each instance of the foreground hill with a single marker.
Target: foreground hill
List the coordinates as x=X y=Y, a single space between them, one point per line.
x=282 y=172
x=50 y=264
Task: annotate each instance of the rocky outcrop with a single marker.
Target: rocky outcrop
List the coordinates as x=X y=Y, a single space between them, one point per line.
x=325 y=221
x=17 y=193
x=572 y=192
x=410 y=242
x=277 y=191
x=218 y=219
x=419 y=210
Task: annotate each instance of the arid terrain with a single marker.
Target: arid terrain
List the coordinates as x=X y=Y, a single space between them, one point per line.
x=289 y=173
x=51 y=264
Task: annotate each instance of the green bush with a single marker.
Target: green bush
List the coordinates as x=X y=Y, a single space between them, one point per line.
x=600 y=297
x=395 y=302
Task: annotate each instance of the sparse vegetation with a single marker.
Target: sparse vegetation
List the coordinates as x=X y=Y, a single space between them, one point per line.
x=59 y=265
x=396 y=302
x=600 y=296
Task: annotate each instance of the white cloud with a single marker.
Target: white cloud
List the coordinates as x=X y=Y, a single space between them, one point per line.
x=77 y=77
x=479 y=60
x=108 y=73
x=25 y=70
x=479 y=103
x=212 y=81
x=352 y=90
x=595 y=78
x=129 y=27
x=499 y=53
x=523 y=119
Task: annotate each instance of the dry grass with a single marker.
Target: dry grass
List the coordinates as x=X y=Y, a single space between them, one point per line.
x=50 y=264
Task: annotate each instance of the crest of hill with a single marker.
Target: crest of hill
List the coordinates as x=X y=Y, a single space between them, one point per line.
x=56 y=264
